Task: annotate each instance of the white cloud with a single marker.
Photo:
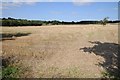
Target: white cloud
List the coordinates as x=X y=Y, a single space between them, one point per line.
x=26 y=0
x=50 y=0
x=87 y=2
x=7 y=5
x=82 y=2
x=59 y=0
x=15 y=3
x=21 y=1
x=30 y=1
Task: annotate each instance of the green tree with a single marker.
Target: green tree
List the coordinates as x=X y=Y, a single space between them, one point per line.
x=104 y=21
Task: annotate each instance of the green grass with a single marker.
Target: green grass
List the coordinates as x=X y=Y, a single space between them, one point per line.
x=10 y=72
x=4 y=35
x=10 y=69
x=109 y=75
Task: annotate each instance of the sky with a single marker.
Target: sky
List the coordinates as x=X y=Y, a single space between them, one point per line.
x=62 y=11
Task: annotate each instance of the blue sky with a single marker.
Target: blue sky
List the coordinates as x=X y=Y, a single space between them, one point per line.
x=63 y=11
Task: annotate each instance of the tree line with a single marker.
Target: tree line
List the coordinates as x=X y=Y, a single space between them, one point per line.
x=24 y=22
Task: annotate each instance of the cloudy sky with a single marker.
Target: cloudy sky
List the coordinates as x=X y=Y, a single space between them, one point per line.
x=63 y=11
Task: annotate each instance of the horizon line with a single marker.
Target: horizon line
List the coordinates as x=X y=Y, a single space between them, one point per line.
x=61 y=20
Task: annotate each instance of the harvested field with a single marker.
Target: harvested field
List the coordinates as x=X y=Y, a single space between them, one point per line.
x=71 y=51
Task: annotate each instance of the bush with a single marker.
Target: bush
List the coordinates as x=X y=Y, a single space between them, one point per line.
x=8 y=69
x=10 y=72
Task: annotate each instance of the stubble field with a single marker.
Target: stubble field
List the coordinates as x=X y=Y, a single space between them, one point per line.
x=67 y=51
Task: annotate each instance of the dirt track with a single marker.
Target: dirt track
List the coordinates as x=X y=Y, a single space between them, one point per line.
x=56 y=51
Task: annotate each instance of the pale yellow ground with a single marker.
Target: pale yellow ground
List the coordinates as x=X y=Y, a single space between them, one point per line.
x=54 y=51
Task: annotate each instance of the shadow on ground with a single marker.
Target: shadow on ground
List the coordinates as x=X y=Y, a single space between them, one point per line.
x=11 y=36
x=109 y=51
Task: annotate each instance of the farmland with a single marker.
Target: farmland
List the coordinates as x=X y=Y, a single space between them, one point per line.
x=77 y=51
